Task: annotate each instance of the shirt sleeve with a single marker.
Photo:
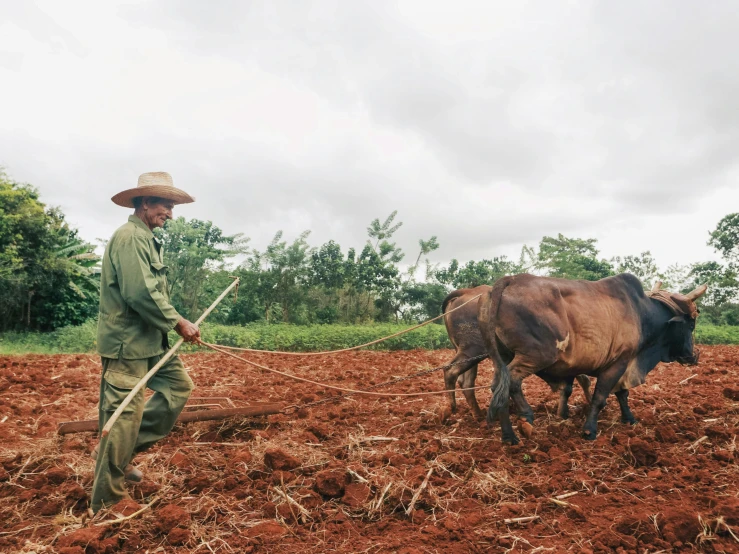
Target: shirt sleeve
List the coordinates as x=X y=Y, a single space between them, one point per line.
x=138 y=284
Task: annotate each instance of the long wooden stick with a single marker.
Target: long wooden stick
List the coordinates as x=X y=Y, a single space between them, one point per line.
x=141 y=384
x=258 y=409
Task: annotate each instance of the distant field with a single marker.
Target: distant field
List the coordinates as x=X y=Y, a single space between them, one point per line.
x=293 y=338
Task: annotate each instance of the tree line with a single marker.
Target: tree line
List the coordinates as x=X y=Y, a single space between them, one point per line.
x=49 y=276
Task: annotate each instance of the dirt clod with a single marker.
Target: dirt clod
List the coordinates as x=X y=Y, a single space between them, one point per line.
x=126 y=507
x=266 y=529
x=355 y=495
x=525 y=428
x=642 y=453
x=331 y=482
x=179 y=536
x=171 y=516
x=276 y=458
x=242 y=457
x=681 y=526
x=665 y=433
x=87 y=538
x=718 y=432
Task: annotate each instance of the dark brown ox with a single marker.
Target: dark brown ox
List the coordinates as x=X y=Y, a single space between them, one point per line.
x=557 y=328
x=464 y=333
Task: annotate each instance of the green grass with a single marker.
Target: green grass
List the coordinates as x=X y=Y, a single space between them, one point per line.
x=293 y=338
x=717 y=334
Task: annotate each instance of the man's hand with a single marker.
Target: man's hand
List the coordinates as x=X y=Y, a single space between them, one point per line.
x=188 y=331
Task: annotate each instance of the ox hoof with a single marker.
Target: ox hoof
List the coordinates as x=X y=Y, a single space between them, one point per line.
x=629 y=420
x=511 y=440
x=528 y=417
x=589 y=435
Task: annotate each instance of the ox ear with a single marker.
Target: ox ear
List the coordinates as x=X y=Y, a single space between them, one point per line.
x=657 y=286
x=697 y=293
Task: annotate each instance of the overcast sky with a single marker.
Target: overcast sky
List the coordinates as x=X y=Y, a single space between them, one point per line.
x=488 y=124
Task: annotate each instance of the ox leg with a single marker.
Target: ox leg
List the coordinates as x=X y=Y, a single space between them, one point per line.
x=450 y=380
x=523 y=409
x=565 y=391
x=467 y=381
x=623 y=403
x=603 y=387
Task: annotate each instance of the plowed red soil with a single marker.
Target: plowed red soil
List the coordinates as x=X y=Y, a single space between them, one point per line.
x=340 y=477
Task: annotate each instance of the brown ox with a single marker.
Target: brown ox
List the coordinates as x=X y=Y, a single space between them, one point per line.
x=557 y=328
x=464 y=333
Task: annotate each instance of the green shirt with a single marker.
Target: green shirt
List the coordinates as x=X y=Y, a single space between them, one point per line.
x=135 y=312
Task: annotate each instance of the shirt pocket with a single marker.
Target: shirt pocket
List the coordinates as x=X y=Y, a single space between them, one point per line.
x=160 y=272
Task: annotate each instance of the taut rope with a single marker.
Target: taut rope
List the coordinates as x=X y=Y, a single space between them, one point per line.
x=333 y=387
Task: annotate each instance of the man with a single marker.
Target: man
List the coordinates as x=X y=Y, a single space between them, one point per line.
x=135 y=317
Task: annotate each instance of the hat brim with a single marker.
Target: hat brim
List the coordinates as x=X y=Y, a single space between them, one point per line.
x=174 y=194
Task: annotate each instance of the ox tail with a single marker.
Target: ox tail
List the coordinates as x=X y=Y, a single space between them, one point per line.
x=488 y=321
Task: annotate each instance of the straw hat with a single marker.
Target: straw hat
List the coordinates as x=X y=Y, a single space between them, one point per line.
x=156 y=183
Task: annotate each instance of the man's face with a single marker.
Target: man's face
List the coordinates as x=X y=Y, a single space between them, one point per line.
x=158 y=212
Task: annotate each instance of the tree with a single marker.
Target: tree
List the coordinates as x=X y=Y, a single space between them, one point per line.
x=572 y=259
x=676 y=278
x=725 y=238
x=381 y=231
x=722 y=282
x=473 y=274
x=44 y=282
x=327 y=266
x=426 y=247
x=193 y=250
x=642 y=266
x=285 y=273
x=82 y=265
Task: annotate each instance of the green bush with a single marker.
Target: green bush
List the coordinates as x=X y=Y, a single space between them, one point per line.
x=717 y=334
x=71 y=339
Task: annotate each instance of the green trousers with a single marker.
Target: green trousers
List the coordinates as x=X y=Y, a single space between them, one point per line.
x=140 y=425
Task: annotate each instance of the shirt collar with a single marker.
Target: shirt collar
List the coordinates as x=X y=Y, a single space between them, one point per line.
x=140 y=224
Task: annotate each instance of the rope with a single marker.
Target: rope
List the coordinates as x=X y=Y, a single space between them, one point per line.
x=386 y=383
x=333 y=387
x=327 y=352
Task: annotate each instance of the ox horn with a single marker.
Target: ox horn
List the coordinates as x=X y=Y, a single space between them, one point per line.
x=657 y=286
x=697 y=293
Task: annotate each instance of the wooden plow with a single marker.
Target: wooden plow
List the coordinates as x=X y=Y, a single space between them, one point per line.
x=197 y=409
